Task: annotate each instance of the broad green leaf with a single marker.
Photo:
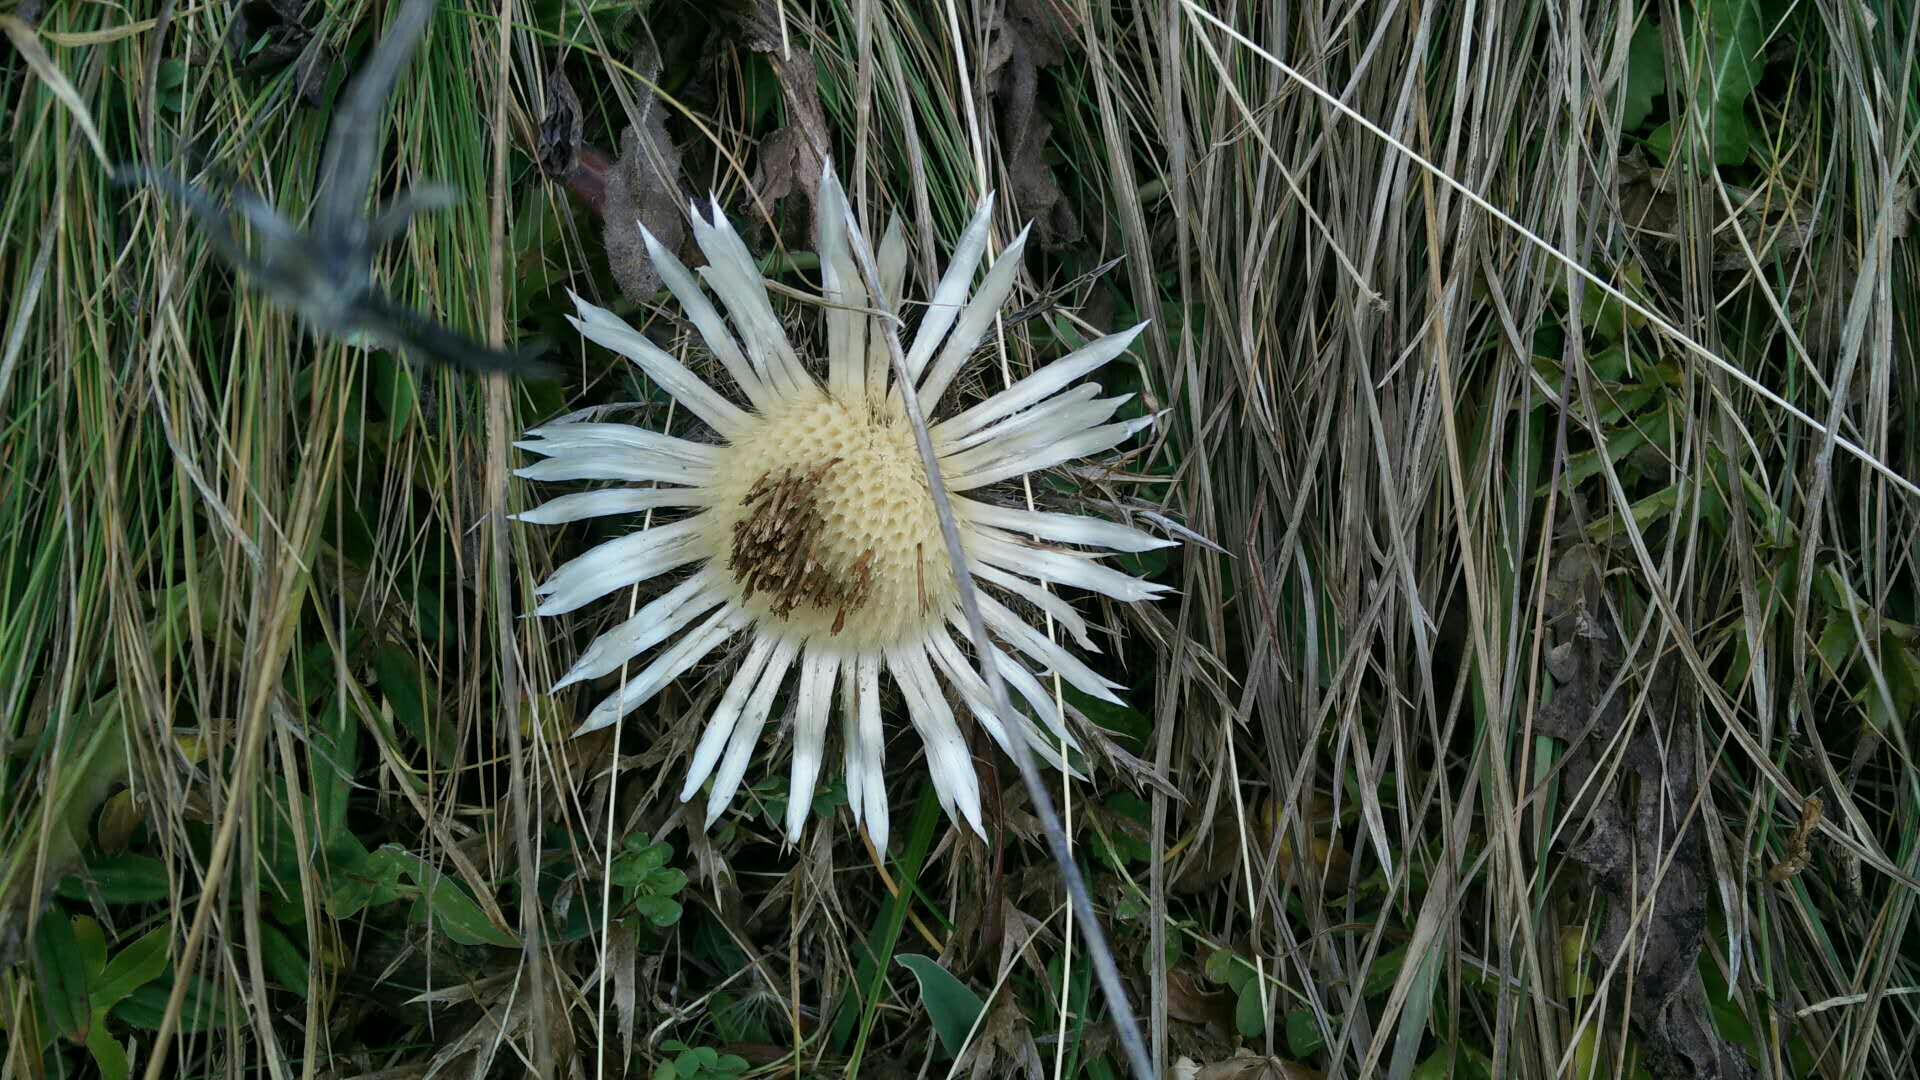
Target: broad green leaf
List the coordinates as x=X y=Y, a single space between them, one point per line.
x=121 y=879
x=1115 y=844
x=392 y=383
x=1250 y=1009
x=1836 y=644
x=201 y=1009
x=657 y=910
x=61 y=976
x=1412 y=1026
x=952 y=1007
x=1384 y=972
x=361 y=880
x=1576 y=981
x=1646 y=512
x=93 y=946
x=283 y=960
x=109 y=1056
x=1737 y=40
x=406 y=691
x=455 y=913
x=1223 y=966
x=132 y=967
x=645 y=854
x=1609 y=320
x=1646 y=75
x=1303 y=1034
x=1587 y=463
x=1726 y=43
x=1131 y=725
x=333 y=750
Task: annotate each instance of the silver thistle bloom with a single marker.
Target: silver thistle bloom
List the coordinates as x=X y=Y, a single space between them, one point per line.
x=810 y=528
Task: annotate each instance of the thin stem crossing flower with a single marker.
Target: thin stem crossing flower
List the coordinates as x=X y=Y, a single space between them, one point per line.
x=809 y=527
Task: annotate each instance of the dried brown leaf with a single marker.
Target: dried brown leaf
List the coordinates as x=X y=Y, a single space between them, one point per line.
x=791 y=158
x=1003 y=1046
x=266 y=35
x=1192 y=999
x=1029 y=35
x=1627 y=838
x=643 y=188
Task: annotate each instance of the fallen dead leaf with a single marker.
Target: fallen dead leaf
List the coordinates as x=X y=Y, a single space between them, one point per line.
x=1191 y=999
x=1637 y=776
x=1030 y=35
x=267 y=35
x=643 y=188
x=1003 y=1046
x=790 y=159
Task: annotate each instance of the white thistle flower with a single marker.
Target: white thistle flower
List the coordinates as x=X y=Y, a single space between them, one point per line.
x=809 y=525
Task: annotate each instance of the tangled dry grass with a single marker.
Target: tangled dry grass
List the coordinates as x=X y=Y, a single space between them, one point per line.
x=1535 y=697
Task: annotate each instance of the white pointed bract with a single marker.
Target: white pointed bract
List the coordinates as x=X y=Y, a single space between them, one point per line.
x=809 y=525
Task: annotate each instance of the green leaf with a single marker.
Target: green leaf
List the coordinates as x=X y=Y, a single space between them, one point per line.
x=1836 y=644
x=455 y=913
x=392 y=384
x=1645 y=513
x=284 y=961
x=170 y=83
x=1609 y=320
x=1727 y=39
x=201 y=1009
x=1737 y=39
x=333 y=753
x=368 y=880
x=61 y=975
x=406 y=692
x=1219 y=966
x=131 y=968
x=121 y=879
x=1303 y=1034
x=1384 y=972
x=1646 y=75
x=1587 y=463
x=108 y=1055
x=657 y=910
x=952 y=1007
x=93 y=946
x=1249 y=1010
x=646 y=854
x=1132 y=726
x=1115 y=843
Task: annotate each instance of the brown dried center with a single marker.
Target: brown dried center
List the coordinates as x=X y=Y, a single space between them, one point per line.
x=777 y=548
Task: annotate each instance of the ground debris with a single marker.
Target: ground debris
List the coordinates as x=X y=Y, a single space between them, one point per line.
x=1243 y=1065
x=791 y=158
x=1003 y=1046
x=1029 y=35
x=1635 y=845
x=643 y=189
x=266 y=35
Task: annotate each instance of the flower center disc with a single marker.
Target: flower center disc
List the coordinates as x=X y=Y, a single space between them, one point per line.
x=823 y=522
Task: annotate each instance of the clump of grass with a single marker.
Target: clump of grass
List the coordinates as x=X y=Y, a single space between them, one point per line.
x=260 y=582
